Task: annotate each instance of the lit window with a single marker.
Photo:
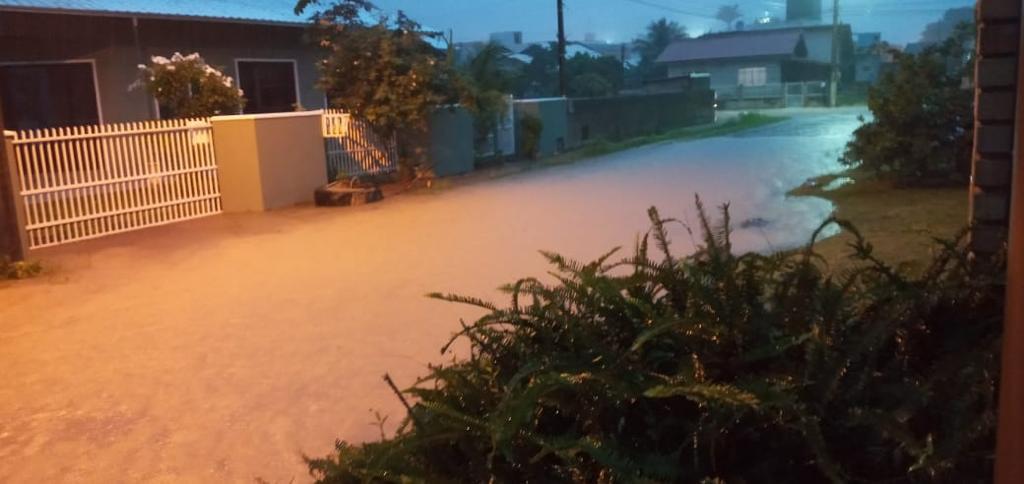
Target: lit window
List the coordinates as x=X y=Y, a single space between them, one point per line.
x=753 y=76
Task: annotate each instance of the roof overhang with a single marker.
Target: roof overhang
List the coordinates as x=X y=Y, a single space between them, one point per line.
x=152 y=16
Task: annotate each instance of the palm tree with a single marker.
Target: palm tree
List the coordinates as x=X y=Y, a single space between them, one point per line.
x=729 y=14
x=487 y=81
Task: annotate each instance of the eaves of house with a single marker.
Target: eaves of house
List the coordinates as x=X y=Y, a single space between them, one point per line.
x=260 y=12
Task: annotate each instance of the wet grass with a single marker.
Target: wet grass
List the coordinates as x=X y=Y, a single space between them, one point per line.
x=901 y=223
x=602 y=147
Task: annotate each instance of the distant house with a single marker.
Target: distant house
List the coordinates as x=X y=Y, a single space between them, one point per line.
x=870 y=59
x=71 y=62
x=751 y=67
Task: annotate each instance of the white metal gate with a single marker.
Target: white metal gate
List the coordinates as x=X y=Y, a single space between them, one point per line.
x=354 y=149
x=85 y=182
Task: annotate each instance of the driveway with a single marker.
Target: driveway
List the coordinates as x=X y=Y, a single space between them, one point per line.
x=222 y=350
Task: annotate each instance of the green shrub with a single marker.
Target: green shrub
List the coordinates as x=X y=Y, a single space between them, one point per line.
x=186 y=87
x=530 y=129
x=922 y=126
x=713 y=367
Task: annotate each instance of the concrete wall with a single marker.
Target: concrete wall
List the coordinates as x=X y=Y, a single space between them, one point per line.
x=622 y=117
x=269 y=161
x=451 y=142
x=553 y=113
x=111 y=43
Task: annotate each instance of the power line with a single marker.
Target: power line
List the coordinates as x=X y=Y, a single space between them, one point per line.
x=672 y=9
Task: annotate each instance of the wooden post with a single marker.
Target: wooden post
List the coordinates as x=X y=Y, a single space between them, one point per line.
x=13 y=239
x=833 y=88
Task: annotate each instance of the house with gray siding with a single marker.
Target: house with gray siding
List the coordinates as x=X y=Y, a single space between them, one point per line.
x=71 y=62
x=759 y=67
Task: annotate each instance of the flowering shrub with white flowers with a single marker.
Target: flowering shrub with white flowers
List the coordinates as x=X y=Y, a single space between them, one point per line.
x=185 y=86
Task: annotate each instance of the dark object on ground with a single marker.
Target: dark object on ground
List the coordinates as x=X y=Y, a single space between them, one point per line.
x=754 y=223
x=343 y=194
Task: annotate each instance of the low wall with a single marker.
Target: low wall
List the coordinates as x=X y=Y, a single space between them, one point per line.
x=451 y=142
x=269 y=161
x=621 y=117
x=553 y=113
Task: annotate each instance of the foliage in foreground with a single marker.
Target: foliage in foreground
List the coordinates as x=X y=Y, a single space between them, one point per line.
x=713 y=367
x=185 y=86
x=923 y=116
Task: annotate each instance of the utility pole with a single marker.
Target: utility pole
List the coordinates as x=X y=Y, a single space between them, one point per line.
x=561 y=49
x=833 y=89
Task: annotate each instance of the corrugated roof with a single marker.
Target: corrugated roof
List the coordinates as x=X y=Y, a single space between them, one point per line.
x=748 y=44
x=262 y=11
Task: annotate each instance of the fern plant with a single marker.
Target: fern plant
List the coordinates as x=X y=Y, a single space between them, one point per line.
x=713 y=367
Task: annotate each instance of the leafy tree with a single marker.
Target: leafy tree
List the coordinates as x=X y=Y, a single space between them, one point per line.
x=601 y=76
x=594 y=76
x=385 y=72
x=484 y=85
x=713 y=367
x=590 y=85
x=921 y=130
x=185 y=86
x=660 y=34
x=940 y=30
x=729 y=14
x=540 y=77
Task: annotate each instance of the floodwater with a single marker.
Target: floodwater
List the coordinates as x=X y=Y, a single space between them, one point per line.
x=222 y=350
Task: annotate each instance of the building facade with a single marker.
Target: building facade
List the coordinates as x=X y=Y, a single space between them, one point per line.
x=76 y=66
x=760 y=67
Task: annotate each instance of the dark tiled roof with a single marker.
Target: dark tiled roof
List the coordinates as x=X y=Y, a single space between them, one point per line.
x=747 y=44
x=262 y=11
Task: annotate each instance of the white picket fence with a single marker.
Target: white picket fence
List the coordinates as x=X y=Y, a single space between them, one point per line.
x=353 y=149
x=89 y=181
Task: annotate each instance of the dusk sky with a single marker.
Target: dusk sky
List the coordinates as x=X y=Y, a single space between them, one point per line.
x=618 y=20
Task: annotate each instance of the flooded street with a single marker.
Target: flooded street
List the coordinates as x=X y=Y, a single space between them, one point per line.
x=224 y=349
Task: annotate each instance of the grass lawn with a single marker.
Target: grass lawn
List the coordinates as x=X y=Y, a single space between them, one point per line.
x=601 y=147
x=901 y=224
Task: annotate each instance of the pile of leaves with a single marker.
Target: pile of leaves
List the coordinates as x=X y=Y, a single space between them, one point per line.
x=185 y=86
x=713 y=367
x=922 y=129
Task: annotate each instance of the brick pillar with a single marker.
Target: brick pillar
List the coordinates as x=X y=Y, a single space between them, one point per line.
x=998 y=50
x=997 y=205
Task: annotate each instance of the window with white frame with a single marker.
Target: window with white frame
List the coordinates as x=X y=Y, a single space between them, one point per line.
x=753 y=76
